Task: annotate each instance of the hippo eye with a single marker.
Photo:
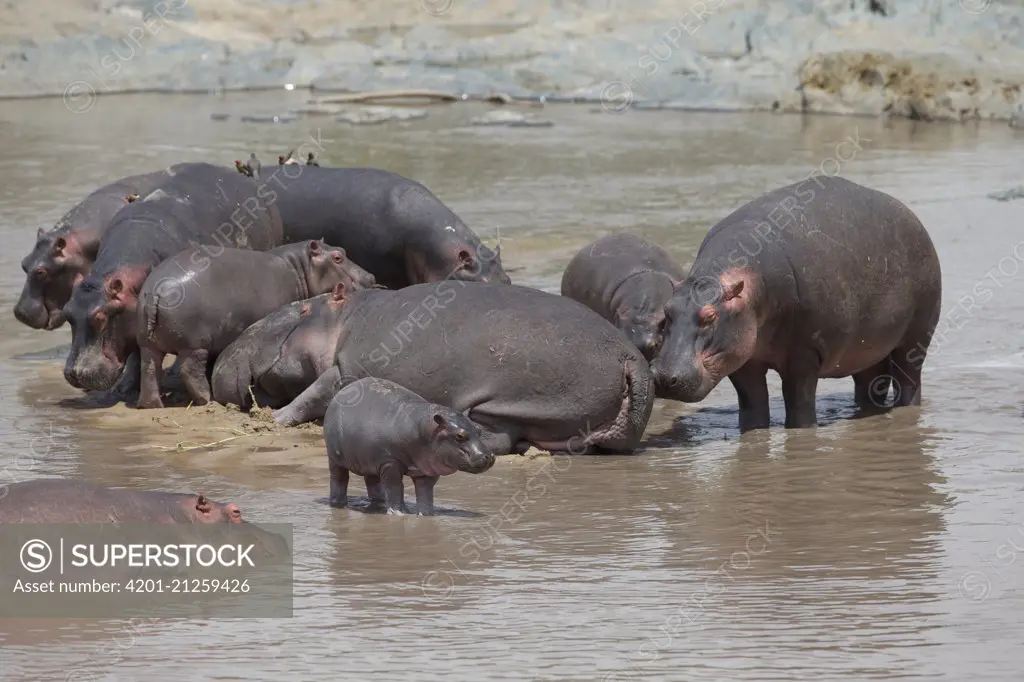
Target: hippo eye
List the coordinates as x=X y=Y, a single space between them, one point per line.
x=41 y=273
x=99 y=320
x=708 y=316
x=337 y=258
x=461 y=437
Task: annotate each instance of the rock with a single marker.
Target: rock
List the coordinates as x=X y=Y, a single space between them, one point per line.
x=1009 y=194
x=512 y=119
x=375 y=115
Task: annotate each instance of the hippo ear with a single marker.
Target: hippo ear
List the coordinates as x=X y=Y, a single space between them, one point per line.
x=40 y=232
x=58 y=247
x=465 y=258
x=314 y=246
x=203 y=505
x=338 y=293
x=731 y=290
x=440 y=421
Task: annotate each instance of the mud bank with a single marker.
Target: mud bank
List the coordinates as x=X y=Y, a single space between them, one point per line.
x=923 y=59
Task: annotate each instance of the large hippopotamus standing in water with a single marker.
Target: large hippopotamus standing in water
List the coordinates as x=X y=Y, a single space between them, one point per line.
x=528 y=367
x=65 y=500
x=820 y=279
x=391 y=225
x=277 y=358
x=201 y=206
x=64 y=254
x=626 y=280
x=195 y=312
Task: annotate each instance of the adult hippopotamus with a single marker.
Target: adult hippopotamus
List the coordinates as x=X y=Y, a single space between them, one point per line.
x=64 y=500
x=278 y=357
x=820 y=279
x=201 y=206
x=391 y=225
x=382 y=431
x=626 y=280
x=529 y=367
x=64 y=254
x=194 y=312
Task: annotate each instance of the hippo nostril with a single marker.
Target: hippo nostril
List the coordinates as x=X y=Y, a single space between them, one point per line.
x=674 y=381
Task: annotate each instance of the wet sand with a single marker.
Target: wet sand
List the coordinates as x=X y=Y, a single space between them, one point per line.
x=868 y=548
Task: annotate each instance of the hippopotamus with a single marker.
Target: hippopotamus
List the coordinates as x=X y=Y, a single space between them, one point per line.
x=194 y=311
x=391 y=225
x=201 y=206
x=64 y=254
x=839 y=280
x=528 y=367
x=279 y=356
x=64 y=500
x=626 y=280
x=382 y=431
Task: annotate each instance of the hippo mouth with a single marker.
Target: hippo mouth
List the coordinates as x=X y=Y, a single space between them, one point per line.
x=54 y=319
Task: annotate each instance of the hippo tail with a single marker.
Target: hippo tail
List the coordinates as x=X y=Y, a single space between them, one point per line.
x=640 y=394
x=150 y=305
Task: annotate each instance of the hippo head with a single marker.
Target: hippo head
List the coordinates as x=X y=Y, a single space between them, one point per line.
x=101 y=313
x=199 y=509
x=455 y=445
x=710 y=332
x=55 y=265
x=478 y=264
x=328 y=265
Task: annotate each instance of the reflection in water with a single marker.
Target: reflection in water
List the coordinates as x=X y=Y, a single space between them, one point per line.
x=832 y=553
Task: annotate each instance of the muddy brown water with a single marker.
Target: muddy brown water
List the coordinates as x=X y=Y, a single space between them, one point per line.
x=877 y=548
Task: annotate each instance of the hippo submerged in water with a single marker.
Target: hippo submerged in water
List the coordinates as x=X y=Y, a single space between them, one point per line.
x=821 y=279
x=528 y=367
x=195 y=312
x=62 y=500
x=202 y=207
x=64 y=254
x=381 y=431
x=626 y=280
x=391 y=225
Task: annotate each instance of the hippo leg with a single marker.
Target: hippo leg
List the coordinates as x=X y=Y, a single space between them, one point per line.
x=750 y=382
x=193 y=375
x=339 y=485
x=871 y=386
x=906 y=374
x=127 y=386
x=312 y=403
x=375 y=492
x=425 y=494
x=800 y=388
x=394 y=491
x=151 y=375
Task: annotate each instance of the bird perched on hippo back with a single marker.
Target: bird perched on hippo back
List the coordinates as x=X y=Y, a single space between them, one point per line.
x=391 y=225
x=820 y=279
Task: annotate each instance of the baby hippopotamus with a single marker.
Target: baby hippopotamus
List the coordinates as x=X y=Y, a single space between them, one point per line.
x=64 y=500
x=627 y=280
x=194 y=310
x=382 y=431
x=278 y=357
x=820 y=279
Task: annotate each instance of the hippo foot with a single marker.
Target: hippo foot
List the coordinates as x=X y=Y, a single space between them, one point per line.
x=149 y=403
x=283 y=417
x=339 y=502
x=393 y=511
